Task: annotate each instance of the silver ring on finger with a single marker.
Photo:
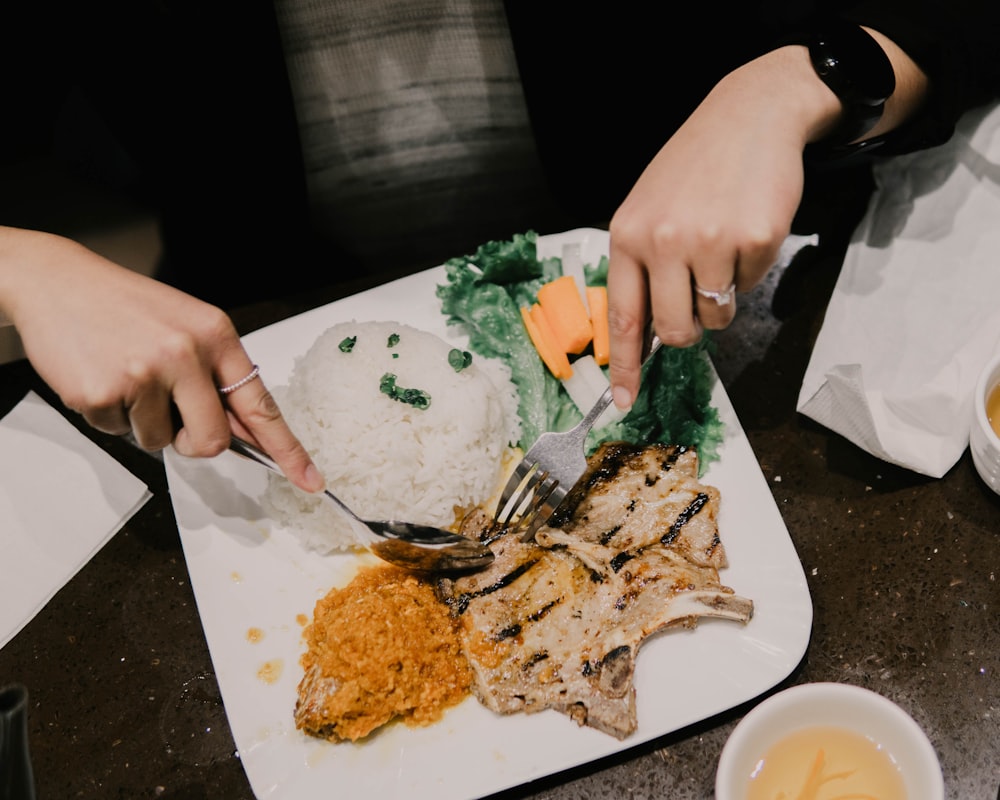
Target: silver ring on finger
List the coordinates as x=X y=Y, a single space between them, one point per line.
x=721 y=298
x=253 y=374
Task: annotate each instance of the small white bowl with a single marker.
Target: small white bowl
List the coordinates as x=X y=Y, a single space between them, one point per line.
x=983 y=441
x=837 y=705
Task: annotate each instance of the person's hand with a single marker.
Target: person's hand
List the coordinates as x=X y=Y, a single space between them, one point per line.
x=132 y=354
x=711 y=210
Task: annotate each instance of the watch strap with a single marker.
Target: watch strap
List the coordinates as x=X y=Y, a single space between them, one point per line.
x=856 y=69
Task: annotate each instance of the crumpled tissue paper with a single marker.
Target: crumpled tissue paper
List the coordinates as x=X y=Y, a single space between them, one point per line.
x=915 y=313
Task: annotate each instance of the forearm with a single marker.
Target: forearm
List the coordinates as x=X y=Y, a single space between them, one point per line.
x=19 y=249
x=8 y=264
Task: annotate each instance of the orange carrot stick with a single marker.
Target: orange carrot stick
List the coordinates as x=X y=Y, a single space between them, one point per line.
x=597 y=299
x=553 y=357
x=566 y=313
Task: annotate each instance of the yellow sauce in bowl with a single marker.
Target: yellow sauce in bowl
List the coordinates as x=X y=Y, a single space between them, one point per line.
x=826 y=763
x=993 y=408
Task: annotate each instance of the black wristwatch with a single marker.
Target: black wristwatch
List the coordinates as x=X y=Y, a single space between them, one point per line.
x=849 y=61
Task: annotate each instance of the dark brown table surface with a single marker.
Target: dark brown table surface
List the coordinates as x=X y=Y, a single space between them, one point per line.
x=902 y=570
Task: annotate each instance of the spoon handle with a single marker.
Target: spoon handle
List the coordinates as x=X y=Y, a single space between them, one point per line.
x=247 y=450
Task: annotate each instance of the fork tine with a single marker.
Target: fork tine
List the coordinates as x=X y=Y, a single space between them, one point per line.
x=539 y=497
x=553 y=459
x=526 y=493
x=547 y=497
x=525 y=468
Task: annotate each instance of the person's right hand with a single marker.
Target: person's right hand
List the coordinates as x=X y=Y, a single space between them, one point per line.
x=130 y=353
x=711 y=209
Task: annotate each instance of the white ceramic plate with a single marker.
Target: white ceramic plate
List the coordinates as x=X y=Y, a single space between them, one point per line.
x=256 y=586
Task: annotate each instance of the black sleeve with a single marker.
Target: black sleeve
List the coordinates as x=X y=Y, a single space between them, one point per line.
x=606 y=86
x=955 y=43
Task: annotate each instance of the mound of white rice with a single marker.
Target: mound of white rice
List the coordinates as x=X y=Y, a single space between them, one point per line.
x=383 y=453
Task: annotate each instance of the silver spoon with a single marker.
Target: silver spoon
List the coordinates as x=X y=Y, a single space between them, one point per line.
x=404 y=544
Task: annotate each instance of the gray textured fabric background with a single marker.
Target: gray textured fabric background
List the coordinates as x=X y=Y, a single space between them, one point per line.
x=413 y=123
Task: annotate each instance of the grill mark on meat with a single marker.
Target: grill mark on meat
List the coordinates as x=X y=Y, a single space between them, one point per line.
x=535 y=658
x=621 y=559
x=460 y=604
x=607 y=537
x=508 y=633
x=668 y=538
x=684 y=518
x=516 y=628
x=543 y=611
x=668 y=463
x=491 y=534
x=624 y=599
x=617 y=666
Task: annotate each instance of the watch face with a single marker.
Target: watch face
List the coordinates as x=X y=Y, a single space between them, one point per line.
x=852 y=64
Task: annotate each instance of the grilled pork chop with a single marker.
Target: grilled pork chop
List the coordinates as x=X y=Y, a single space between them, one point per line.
x=557 y=623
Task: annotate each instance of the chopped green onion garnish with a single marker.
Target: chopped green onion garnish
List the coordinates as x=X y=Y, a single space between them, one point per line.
x=459 y=359
x=417 y=398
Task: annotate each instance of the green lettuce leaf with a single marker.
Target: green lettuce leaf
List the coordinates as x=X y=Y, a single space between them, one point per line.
x=479 y=296
x=484 y=293
x=674 y=405
x=597 y=276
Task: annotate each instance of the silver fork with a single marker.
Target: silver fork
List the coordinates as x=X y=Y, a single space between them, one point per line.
x=550 y=468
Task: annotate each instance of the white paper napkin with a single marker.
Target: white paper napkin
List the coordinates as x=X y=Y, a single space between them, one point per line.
x=61 y=499
x=916 y=310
